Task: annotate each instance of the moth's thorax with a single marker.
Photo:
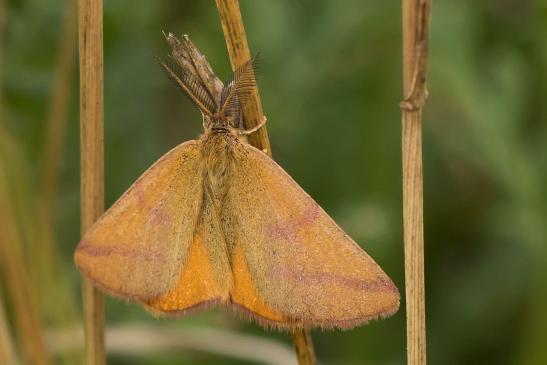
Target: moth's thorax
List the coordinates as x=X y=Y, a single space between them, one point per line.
x=218 y=149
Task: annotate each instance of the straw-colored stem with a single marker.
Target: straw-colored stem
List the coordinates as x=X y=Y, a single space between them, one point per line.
x=7 y=353
x=147 y=340
x=238 y=49
x=415 y=57
x=91 y=159
x=26 y=318
x=303 y=347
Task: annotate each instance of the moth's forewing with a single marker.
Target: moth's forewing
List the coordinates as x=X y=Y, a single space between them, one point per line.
x=137 y=248
x=302 y=264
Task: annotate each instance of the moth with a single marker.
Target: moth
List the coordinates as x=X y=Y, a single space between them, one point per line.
x=215 y=221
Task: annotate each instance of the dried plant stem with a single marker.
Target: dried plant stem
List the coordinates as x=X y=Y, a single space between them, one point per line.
x=91 y=159
x=238 y=49
x=7 y=353
x=27 y=320
x=415 y=57
x=303 y=346
x=148 y=340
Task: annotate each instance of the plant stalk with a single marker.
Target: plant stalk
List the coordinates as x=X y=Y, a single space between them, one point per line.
x=26 y=316
x=7 y=352
x=415 y=58
x=90 y=21
x=238 y=50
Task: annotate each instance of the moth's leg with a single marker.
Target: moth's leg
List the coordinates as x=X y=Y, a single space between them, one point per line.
x=252 y=130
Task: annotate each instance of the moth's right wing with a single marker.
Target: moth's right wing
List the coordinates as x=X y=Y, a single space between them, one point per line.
x=137 y=249
x=304 y=270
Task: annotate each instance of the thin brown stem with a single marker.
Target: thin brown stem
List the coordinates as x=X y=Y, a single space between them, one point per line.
x=238 y=49
x=26 y=317
x=133 y=340
x=7 y=352
x=91 y=159
x=303 y=347
x=415 y=58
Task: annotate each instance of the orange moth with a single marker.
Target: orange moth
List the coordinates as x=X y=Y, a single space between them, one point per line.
x=216 y=222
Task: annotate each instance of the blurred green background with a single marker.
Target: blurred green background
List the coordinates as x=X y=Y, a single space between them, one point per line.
x=330 y=81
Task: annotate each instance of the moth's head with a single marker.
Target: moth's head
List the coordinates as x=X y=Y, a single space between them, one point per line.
x=228 y=115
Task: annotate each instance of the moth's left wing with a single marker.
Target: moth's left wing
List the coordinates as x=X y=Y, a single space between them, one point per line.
x=137 y=249
x=301 y=264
